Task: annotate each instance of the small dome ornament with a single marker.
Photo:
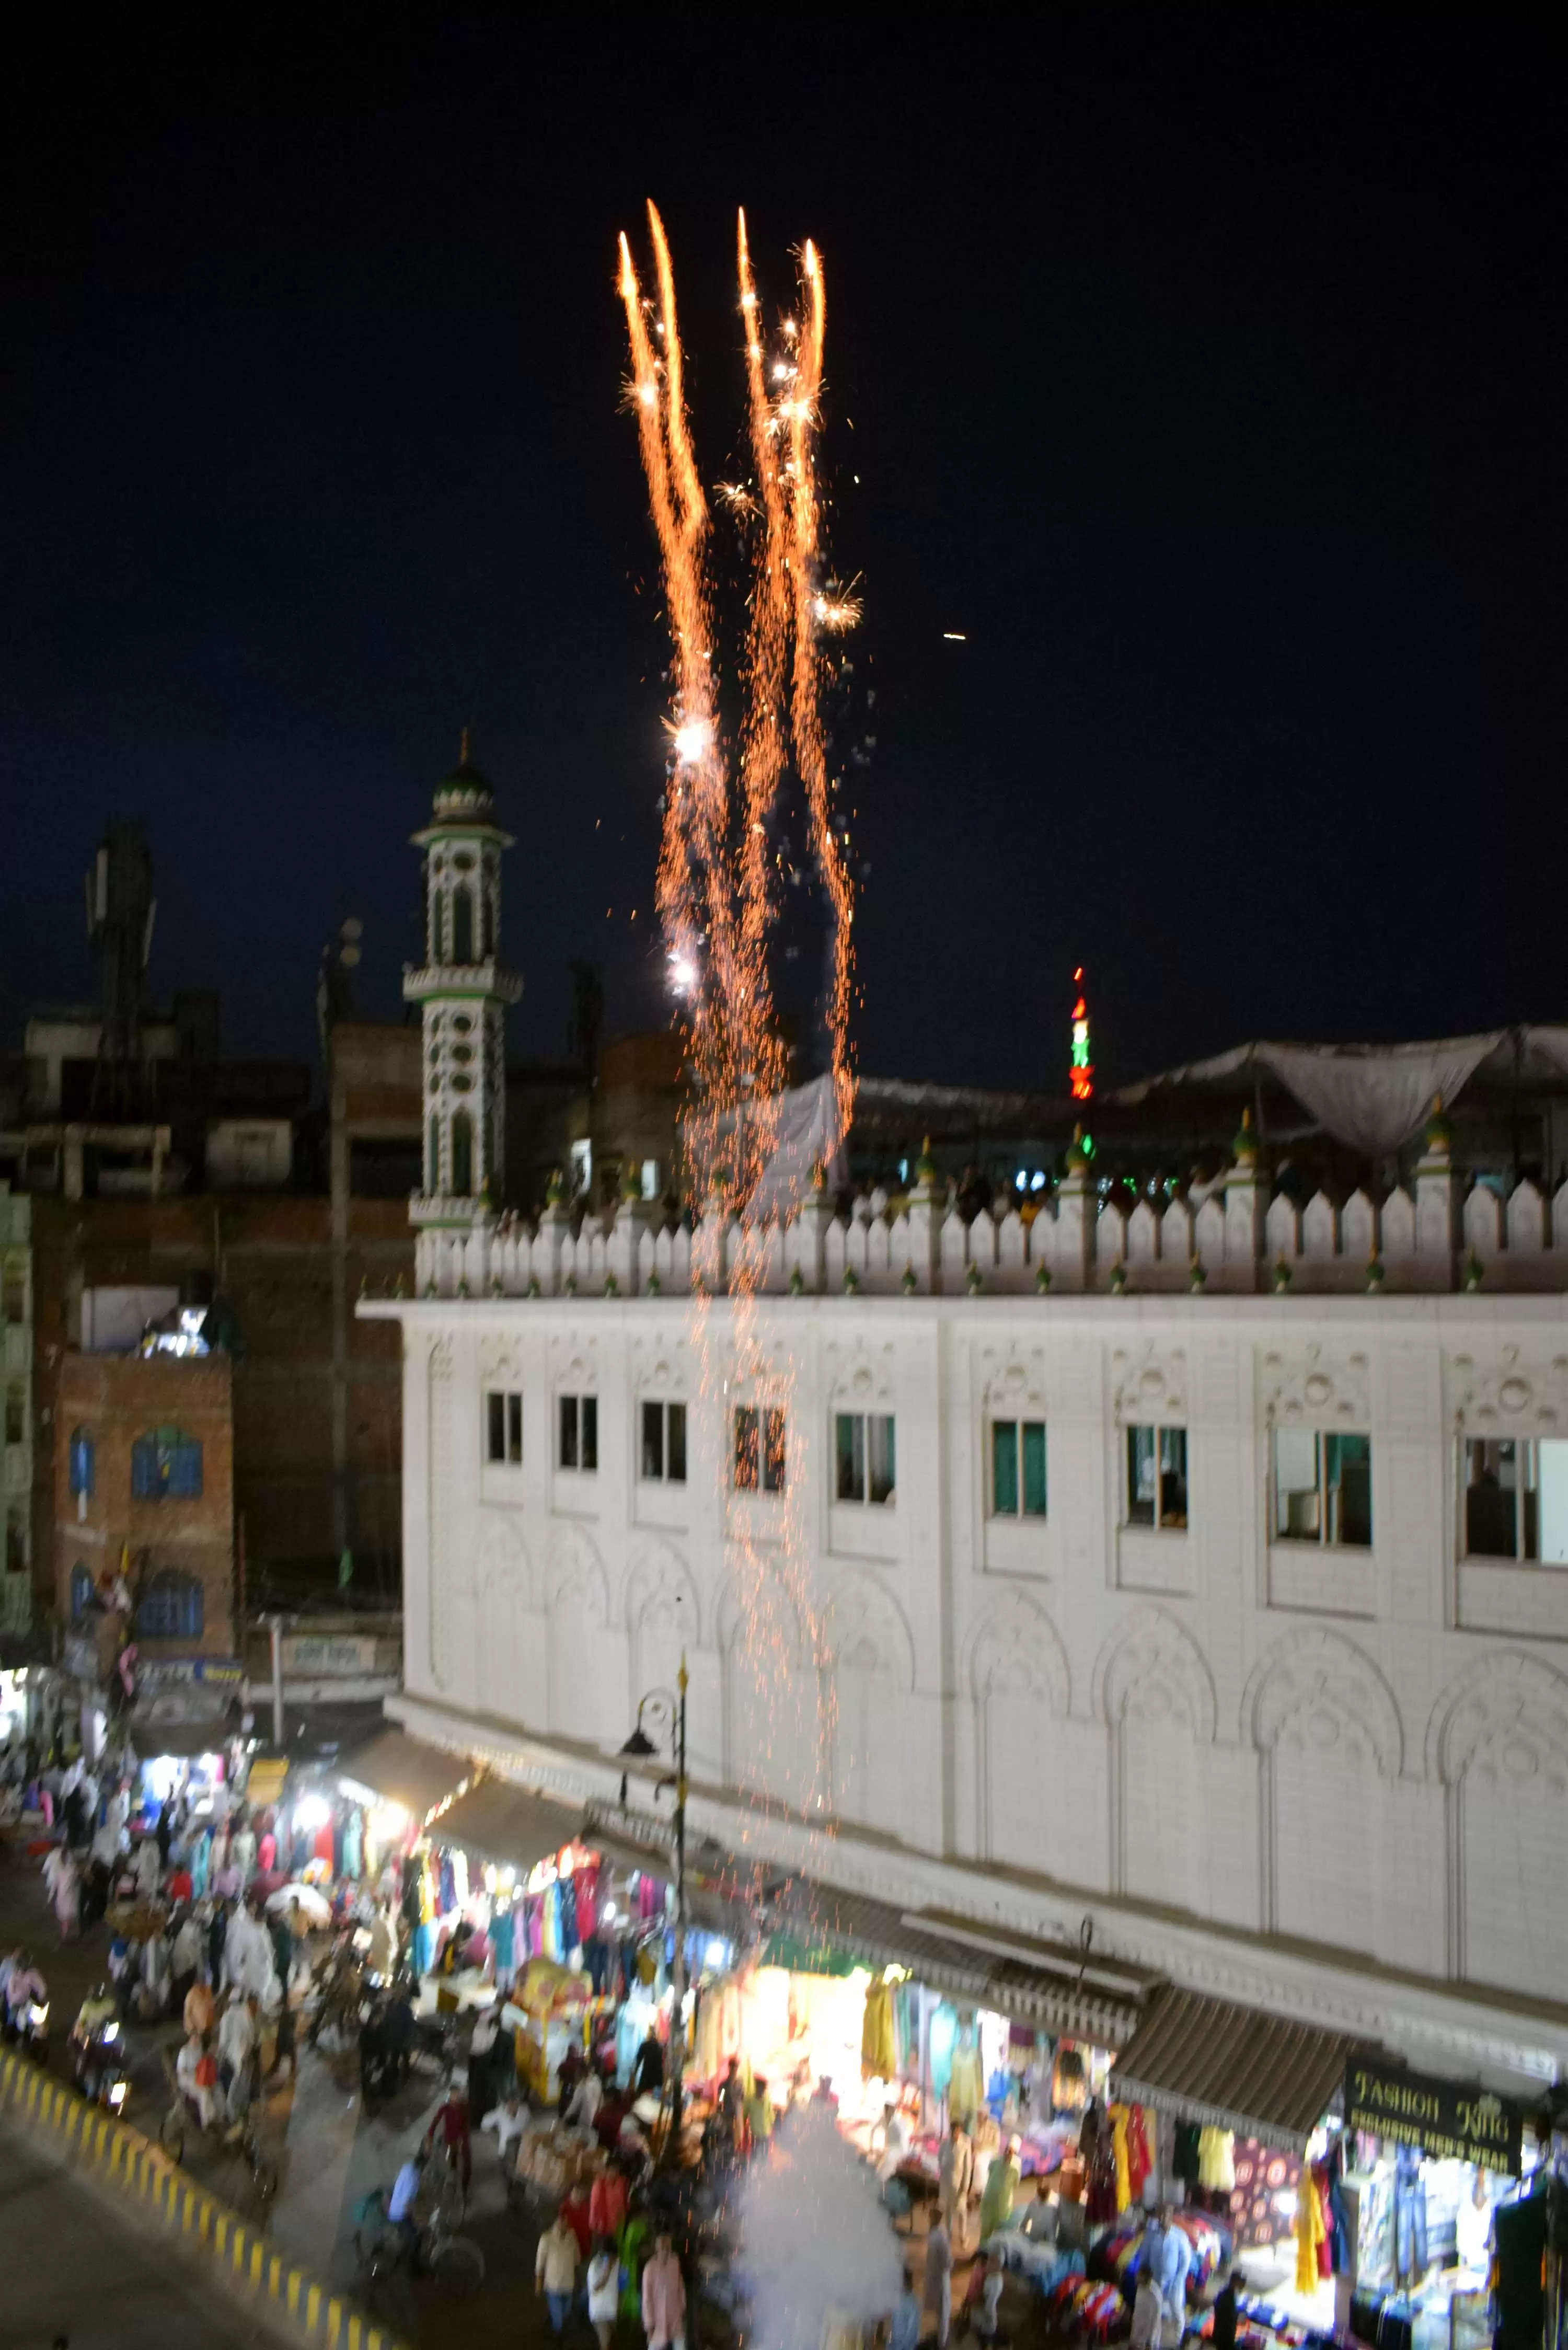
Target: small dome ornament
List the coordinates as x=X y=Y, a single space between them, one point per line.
x=555 y=1189
x=908 y=1281
x=925 y=1165
x=1244 y=1148
x=1440 y=1134
x=1077 y=1156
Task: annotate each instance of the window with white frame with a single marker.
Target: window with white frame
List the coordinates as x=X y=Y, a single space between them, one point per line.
x=1018 y=1469
x=579 y=1432
x=1156 y=1476
x=1322 y=1487
x=502 y=1427
x=867 y=1457
x=760 y=1445
x=663 y=1454
x=1515 y=1498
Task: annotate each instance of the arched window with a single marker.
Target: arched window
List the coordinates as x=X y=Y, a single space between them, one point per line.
x=432 y=1171
x=81 y=1593
x=172 y=1609
x=463 y=923
x=166 y=1464
x=81 y=1462
x=462 y=1154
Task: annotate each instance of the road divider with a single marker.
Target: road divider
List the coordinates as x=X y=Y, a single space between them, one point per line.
x=236 y=2253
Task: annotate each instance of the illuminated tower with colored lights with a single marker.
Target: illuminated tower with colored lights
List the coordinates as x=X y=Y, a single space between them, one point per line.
x=1080 y=1072
x=462 y=993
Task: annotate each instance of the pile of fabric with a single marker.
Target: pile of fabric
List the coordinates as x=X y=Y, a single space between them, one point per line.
x=1085 y=2309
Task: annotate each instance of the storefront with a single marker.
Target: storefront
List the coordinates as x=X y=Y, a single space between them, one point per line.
x=1432 y=2179
x=1359 y=2200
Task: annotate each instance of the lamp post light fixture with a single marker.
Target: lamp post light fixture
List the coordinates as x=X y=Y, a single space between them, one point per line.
x=661 y=1707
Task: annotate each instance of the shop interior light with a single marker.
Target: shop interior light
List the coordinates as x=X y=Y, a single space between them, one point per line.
x=312 y=1811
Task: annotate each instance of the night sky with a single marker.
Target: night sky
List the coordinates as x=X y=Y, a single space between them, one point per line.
x=1205 y=369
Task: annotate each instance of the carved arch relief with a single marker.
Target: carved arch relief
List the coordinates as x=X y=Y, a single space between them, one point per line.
x=583 y=1700
x=1156 y=1696
x=871 y=1679
x=772 y=1697
x=1021 y=1690
x=505 y=1600
x=663 y=1623
x=1329 y=1741
x=1498 y=1742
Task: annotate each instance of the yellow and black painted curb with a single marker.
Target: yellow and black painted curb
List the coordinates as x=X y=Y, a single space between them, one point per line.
x=143 y=2172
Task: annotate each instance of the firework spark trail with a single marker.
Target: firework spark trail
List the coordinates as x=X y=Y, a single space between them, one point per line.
x=762 y=749
x=713 y=892
x=676 y=887
x=801 y=409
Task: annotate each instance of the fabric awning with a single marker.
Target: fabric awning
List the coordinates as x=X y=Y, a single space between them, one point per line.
x=264 y=1784
x=1053 y=1988
x=1235 y=2067
x=405 y=1770
x=513 y=1826
x=209 y=1735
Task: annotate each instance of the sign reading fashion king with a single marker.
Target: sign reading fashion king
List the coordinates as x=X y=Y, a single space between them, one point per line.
x=1447 y=2120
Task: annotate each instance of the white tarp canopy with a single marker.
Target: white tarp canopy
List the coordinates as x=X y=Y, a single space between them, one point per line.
x=1375 y=1097
x=806 y=1123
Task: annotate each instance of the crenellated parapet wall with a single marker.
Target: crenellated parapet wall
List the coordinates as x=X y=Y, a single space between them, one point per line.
x=1237 y=1238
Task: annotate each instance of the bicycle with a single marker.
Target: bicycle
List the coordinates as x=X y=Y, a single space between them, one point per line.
x=242 y=2138
x=383 y=2248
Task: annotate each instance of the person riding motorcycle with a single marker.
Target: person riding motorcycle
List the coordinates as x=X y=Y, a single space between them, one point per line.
x=26 y=1999
x=97 y=2045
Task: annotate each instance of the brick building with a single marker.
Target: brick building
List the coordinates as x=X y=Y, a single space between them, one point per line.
x=143 y=1479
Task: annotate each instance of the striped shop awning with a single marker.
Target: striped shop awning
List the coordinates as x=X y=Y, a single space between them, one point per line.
x=1050 y=1986
x=513 y=1827
x=405 y=1770
x=1237 y=2068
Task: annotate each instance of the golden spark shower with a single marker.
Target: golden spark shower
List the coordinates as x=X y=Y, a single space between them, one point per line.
x=716 y=886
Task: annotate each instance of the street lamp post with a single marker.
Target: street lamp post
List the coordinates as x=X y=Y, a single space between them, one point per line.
x=641 y=1745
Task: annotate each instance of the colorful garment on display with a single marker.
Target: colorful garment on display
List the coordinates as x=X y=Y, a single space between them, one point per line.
x=878 y=2060
x=1217 y=2160
x=1309 y=2233
x=965 y=2097
x=940 y=2046
x=1121 y=2122
x=501 y=1931
x=1186 y=2159
x=1141 y=2162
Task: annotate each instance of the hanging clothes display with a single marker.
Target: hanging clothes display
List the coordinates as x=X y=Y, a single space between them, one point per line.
x=1217 y=2160
x=1120 y=2119
x=1069 y=2088
x=966 y=2090
x=1309 y=2233
x=879 y=2059
x=1186 y=2156
x=354 y=1844
x=1409 y=2216
x=942 y=2032
x=1140 y=2160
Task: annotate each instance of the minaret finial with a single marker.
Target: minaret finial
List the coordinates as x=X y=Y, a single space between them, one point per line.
x=462 y=752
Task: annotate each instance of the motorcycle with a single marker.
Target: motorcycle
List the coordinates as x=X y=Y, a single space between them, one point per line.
x=99 y=2062
x=28 y=2028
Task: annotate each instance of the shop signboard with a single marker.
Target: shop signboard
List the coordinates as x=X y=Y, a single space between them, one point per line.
x=221 y=1674
x=1448 y=2120
x=328 y=1655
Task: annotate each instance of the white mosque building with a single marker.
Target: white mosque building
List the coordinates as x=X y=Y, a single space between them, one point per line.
x=1195 y=1590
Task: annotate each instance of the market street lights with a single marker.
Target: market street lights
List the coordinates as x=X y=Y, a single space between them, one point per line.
x=660 y=1705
